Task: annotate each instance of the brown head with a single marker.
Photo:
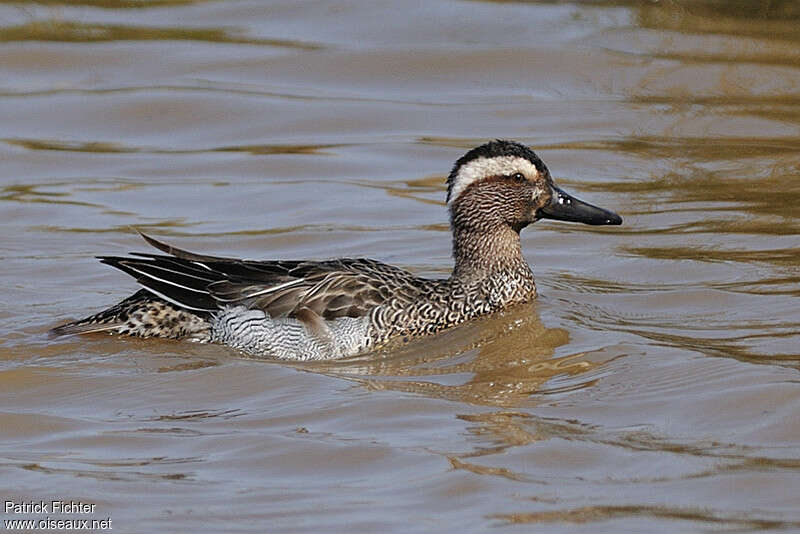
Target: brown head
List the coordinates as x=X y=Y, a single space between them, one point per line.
x=497 y=189
x=505 y=182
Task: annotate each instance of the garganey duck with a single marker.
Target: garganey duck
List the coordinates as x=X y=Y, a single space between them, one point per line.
x=313 y=310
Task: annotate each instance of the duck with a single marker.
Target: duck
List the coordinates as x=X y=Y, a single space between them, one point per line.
x=320 y=310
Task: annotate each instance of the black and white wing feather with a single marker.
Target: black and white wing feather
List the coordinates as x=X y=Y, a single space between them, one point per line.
x=331 y=289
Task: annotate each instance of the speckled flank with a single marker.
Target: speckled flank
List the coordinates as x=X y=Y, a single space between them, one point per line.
x=161 y=319
x=307 y=310
x=143 y=315
x=450 y=302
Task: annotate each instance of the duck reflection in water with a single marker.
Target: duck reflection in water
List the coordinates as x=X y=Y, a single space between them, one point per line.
x=504 y=360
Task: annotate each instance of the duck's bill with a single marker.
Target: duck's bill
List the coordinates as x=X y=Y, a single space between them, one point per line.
x=565 y=207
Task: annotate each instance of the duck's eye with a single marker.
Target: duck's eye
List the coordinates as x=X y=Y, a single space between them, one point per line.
x=519 y=177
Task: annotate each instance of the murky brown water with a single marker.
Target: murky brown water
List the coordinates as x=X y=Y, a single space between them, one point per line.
x=654 y=385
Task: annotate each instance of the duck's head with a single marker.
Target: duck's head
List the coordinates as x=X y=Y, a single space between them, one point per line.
x=505 y=182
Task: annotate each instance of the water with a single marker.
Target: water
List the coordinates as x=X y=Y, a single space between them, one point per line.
x=653 y=386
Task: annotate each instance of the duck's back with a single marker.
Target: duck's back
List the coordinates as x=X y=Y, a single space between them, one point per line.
x=281 y=309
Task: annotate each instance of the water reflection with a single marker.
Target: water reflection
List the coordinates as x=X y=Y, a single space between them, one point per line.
x=112 y=4
x=72 y=31
x=100 y=147
x=689 y=148
x=504 y=360
x=774 y=18
x=588 y=514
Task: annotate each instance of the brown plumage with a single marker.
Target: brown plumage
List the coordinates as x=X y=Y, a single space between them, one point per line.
x=348 y=305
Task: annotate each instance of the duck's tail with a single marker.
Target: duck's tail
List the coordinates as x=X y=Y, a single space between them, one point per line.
x=143 y=315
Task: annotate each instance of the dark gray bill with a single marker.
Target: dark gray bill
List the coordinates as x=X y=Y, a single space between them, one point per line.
x=564 y=207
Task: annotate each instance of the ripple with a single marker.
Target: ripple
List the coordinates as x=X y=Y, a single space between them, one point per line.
x=101 y=147
x=72 y=31
x=591 y=514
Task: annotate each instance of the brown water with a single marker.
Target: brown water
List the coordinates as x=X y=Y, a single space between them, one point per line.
x=653 y=387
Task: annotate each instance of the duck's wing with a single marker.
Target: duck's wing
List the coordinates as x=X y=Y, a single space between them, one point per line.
x=331 y=289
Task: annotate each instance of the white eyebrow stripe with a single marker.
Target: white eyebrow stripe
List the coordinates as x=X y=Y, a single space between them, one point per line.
x=481 y=168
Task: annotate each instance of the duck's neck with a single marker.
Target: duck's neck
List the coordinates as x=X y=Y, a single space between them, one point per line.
x=484 y=252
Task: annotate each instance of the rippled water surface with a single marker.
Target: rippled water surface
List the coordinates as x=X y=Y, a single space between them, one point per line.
x=653 y=386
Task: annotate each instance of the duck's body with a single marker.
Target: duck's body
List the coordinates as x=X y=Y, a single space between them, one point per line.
x=303 y=310
x=295 y=310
